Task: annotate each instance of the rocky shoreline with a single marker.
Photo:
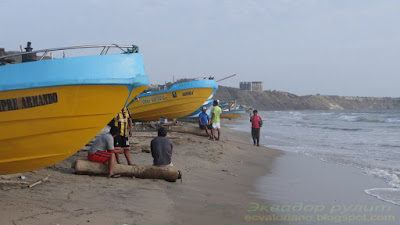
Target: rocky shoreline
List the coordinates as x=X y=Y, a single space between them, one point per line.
x=277 y=100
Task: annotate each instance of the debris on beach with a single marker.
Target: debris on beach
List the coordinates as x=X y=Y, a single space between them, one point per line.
x=39 y=182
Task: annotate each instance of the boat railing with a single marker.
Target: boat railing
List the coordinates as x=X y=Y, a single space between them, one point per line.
x=104 y=51
x=204 y=78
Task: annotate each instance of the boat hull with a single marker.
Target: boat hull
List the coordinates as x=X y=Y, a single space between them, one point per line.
x=56 y=123
x=152 y=108
x=208 y=104
x=175 y=103
x=232 y=114
x=50 y=109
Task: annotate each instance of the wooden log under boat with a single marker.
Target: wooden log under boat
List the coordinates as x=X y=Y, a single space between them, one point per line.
x=86 y=167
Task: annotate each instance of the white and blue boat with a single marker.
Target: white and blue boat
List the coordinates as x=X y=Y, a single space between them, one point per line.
x=208 y=104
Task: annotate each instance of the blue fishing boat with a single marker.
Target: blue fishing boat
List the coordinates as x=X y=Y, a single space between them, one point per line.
x=49 y=109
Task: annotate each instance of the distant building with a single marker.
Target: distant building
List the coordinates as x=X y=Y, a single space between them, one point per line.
x=257 y=86
x=251 y=86
x=245 y=86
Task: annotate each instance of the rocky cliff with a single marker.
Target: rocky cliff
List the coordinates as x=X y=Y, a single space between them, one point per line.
x=277 y=100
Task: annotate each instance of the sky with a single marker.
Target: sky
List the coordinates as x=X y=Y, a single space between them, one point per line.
x=305 y=47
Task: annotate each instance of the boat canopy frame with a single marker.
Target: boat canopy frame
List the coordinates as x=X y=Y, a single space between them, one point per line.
x=124 y=49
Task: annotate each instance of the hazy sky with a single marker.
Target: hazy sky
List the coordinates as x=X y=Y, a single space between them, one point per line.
x=335 y=47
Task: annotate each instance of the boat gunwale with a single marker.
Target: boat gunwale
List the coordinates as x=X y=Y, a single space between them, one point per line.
x=131 y=82
x=176 y=88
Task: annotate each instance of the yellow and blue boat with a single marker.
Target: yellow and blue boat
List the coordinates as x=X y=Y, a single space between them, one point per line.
x=233 y=114
x=231 y=111
x=49 y=109
x=178 y=101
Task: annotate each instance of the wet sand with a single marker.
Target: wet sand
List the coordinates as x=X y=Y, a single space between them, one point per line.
x=223 y=183
x=309 y=191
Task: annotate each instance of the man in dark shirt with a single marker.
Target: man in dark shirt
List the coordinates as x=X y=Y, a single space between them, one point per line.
x=161 y=149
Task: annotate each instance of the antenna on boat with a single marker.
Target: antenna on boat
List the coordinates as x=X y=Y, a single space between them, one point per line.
x=226 y=77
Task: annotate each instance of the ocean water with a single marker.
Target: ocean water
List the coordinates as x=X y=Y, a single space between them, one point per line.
x=367 y=140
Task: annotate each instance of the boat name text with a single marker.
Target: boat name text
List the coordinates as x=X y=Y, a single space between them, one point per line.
x=187 y=93
x=159 y=98
x=27 y=102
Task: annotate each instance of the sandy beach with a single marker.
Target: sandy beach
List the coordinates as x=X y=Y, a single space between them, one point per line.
x=217 y=179
x=224 y=182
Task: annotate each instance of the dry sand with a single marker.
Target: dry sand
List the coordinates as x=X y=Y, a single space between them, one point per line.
x=217 y=179
x=218 y=187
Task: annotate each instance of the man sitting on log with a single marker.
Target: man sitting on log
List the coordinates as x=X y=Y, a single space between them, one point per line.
x=102 y=150
x=204 y=121
x=161 y=149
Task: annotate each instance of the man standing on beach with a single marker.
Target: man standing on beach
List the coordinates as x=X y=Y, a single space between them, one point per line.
x=102 y=150
x=161 y=149
x=204 y=120
x=215 y=120
x=123 y=120
x=256 y=124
